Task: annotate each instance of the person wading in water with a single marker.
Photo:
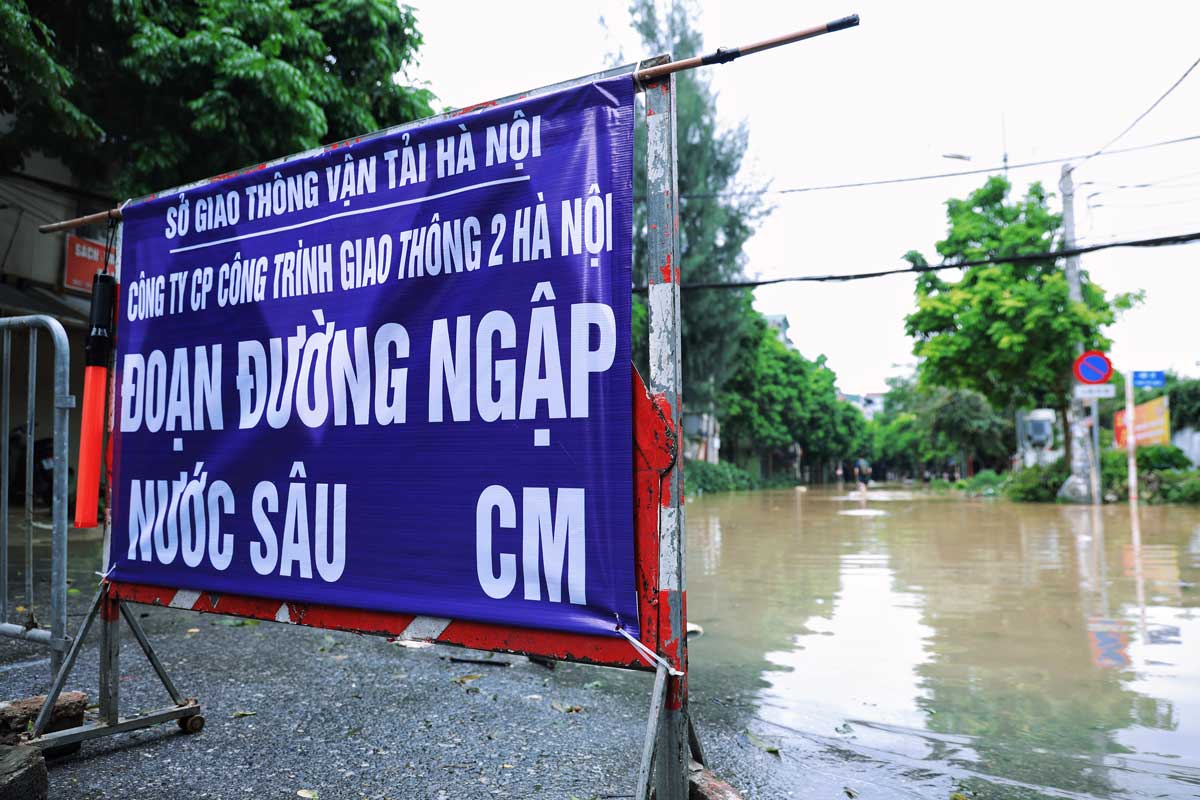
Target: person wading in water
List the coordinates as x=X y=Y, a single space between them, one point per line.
x=862 y=473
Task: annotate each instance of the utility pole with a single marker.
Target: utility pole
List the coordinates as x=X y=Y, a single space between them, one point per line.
x=1084 y=479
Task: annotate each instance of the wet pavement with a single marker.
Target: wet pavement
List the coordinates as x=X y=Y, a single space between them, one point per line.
x=905 y=645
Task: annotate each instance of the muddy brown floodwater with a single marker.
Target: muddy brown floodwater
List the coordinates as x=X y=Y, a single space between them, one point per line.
x=1024 y=650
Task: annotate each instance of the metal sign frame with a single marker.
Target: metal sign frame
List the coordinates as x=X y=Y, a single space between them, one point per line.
x=658 y=516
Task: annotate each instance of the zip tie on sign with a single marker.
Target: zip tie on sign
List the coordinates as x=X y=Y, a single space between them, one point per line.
x=649 y=654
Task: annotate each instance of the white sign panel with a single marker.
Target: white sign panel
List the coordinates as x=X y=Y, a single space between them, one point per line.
x=1095 y=391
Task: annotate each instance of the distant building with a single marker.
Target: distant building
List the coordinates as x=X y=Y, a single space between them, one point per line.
x=701 y=437
x=869 y=404
x=779 y=323
x=46 y=274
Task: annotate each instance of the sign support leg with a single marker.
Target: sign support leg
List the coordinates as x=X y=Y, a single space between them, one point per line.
x=60 y=677
x=110 y=659
x=666 y=379
x=653 y=724
x=110 y=610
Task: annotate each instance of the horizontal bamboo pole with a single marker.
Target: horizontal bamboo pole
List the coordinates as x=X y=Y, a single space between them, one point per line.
x=726 y=54
x=79 y=222
x=722 y=56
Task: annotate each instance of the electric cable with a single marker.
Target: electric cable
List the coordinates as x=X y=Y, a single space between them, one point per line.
x=933 y=176
x=1146 y=113
x=1024 y=258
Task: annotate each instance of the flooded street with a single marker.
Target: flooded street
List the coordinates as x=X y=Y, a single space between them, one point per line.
x=1020 y=650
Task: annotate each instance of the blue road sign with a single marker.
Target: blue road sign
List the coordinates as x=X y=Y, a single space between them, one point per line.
x=1152 y=379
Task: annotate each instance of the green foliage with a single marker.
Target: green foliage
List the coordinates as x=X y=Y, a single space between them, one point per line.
x=1151 y=460
x=1180 y=486
x=778 y=398
x=1185 y=404
x=712 y=229
x=1162 y=456
x=1164 y=476
x=140 y=95
x=986 y=482
x=1006 y=331
x=1038 y=484
x=924 y=426
x=701 y=477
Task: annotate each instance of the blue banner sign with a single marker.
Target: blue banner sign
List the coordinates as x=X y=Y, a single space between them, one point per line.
x=393 y=375
x=1154 y=379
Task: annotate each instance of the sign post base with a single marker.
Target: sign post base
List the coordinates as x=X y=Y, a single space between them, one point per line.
x=110 y=609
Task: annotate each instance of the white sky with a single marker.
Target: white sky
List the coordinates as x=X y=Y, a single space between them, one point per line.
x=887 y=99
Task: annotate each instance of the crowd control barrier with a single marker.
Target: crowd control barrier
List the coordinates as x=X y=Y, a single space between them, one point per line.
x=29 y=627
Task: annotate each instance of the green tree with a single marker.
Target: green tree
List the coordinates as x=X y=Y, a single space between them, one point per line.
x=1007 y=331
x=713 y=226
x=923 y=425
x=966 y=422
x=767 y=403
x=777 y=398
x=138 y=95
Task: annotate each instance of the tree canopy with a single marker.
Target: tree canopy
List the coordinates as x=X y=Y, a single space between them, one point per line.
x=930 y=426
x=778 y=398
x=1007 y=331
x=712 y=228
x=139 y=95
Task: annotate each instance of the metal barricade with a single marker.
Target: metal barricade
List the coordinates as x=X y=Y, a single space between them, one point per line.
x=55 y=637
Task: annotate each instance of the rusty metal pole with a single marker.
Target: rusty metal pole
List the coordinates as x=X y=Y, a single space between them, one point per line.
x=666 y=322
x=110 y=657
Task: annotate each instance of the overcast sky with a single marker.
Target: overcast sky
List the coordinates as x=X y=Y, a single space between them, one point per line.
x=888 y=99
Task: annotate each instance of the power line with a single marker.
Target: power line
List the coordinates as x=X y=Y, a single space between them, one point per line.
x=1145 y=113
x=1160 y=241
x=937 y=175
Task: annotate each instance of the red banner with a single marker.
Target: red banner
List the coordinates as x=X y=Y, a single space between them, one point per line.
x=84 y=259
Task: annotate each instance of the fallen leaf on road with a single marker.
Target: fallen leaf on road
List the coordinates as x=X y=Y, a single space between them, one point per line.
x=308 y=794
x=762 y=744
x=240 y=714
x=564 y=708
x=461 y=679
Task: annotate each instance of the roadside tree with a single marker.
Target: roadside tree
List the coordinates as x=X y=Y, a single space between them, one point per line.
x=714 y=223
x=137 y=96
x=1007 y=331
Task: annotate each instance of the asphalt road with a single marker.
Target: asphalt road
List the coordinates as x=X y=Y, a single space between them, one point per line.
x=336 y=715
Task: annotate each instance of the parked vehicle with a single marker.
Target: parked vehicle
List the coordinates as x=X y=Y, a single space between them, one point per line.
x=43 y=468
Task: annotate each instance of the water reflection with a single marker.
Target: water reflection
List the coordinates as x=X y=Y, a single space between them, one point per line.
x=1042 y=649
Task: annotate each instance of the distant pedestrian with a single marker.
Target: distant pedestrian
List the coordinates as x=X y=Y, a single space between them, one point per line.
x=862 y=473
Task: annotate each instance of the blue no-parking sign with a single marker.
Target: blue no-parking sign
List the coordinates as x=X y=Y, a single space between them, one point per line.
x=1093 y=367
